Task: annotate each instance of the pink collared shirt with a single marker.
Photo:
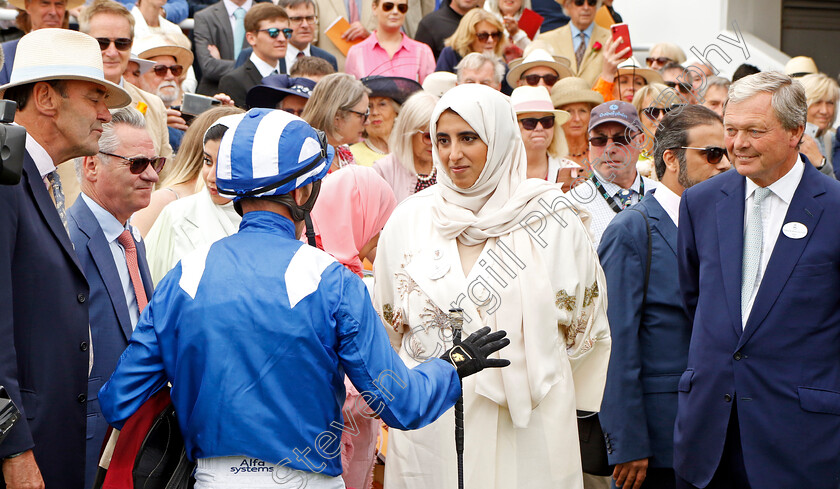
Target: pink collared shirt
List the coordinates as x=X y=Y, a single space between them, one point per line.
x=413 y=60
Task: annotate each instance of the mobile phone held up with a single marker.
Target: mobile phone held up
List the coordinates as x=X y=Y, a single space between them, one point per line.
x=622 y=31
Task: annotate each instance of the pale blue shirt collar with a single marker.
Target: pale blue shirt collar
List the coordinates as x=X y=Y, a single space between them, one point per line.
x=783 y=188
x=231 y=7
x=576 y=33
x=111 y=227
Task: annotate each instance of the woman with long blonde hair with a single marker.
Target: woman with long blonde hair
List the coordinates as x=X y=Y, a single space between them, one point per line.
x=478 y=32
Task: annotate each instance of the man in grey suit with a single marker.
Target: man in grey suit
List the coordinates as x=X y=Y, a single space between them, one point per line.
x=120 y=283
x=219 y=36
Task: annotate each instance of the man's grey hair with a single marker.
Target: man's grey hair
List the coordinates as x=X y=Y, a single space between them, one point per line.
x=790 y=106
x=109 y=142
x=715 y=81
x=476 y=61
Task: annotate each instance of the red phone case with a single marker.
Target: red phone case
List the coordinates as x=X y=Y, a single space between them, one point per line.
x=622 y=31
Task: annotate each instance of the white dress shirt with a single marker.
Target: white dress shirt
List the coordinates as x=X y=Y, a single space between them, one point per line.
x=264 y=68
x=774 y=208
x=231 y=8
x=112 y=229
x=43 y=160
x=292 y=52
x=669 y=201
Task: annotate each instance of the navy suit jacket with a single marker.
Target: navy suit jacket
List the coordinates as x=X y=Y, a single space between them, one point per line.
x=9 y=50
x=44 y=342
x=650 y=347
x=784 y=366
x=237 y=83
x=110 y=323
x=314 y=50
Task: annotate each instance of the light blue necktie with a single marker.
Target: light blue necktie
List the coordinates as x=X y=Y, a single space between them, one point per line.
x=239 y=31
x=58 y=196
x=753 y=244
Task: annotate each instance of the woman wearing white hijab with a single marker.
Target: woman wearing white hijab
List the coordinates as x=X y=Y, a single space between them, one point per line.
x=513 y=255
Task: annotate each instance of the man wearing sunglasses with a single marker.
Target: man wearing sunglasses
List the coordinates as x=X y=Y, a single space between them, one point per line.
x=575 y=41
x=615 y=141
x=116 y=182
x=649 y=327
x=267 y=31
x=113 y=27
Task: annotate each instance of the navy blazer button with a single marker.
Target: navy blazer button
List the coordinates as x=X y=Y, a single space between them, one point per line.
x=83 y=346
x=81 y=298
x=727 y=398
x=81 y=398
x=737 y=355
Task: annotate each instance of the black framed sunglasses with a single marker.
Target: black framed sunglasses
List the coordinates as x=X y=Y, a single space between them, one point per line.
x=388 y=6
x=622 y=139
x=661 y=60
x=592 y=3
x=483 y=36
x=534 y=80
x=297 y=112
x=684 y=88
x=427 y=136
x=656 y=112
x=160 y=70
x=273 y=32
x=713 y=154
x=530 y=123
x=121 y=43
x=138 y=164
x=364 y=115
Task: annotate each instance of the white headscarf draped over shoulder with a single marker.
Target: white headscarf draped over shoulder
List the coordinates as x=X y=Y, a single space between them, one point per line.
x=493 y=207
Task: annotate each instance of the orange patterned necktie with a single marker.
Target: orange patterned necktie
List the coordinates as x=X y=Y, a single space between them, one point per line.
x=127 y=242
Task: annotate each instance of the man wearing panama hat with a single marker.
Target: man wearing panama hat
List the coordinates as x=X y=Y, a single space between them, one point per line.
x=45 y=349
x=42 y=14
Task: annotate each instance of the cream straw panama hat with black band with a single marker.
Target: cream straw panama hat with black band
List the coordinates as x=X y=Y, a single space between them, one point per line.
x=157 y=45
x=536 y=99
x=574 y=90
x=538 y=57
x=62 y=54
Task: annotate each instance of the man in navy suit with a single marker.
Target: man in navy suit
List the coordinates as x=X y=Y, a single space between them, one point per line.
x=45 y=349
x=759 y=265
x=650 y=329
x=98 y=224
x=267 y=31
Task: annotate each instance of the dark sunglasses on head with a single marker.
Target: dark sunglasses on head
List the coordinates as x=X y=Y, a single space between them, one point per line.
x=121 y=43
x=655 y=112
x=622 y=139
x=138 y=164
x=427 y=136
x=160 y=70
x=682 y=87
x=531 y=123
x=402 y=7
x=483 y=36
x=661 y=60
x=592 y=3
x=273 y=32
x=713 y=154
x=534 y=80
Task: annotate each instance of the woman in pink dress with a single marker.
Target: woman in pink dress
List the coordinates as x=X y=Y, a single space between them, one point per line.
x=388 y=51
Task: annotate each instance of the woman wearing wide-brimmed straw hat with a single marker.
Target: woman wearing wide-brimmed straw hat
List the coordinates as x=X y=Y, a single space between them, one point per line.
x=574 y=96
x=471 y=242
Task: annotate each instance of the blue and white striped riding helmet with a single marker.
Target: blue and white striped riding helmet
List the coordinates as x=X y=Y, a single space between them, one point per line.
x=270 y=152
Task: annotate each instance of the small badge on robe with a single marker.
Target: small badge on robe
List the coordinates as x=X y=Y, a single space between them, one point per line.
x=439 y=266
x=795 y=230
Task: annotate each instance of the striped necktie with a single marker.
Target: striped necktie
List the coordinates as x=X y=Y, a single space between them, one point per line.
x=581 y=49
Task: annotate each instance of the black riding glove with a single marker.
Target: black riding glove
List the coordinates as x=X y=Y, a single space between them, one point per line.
x=470 y=356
